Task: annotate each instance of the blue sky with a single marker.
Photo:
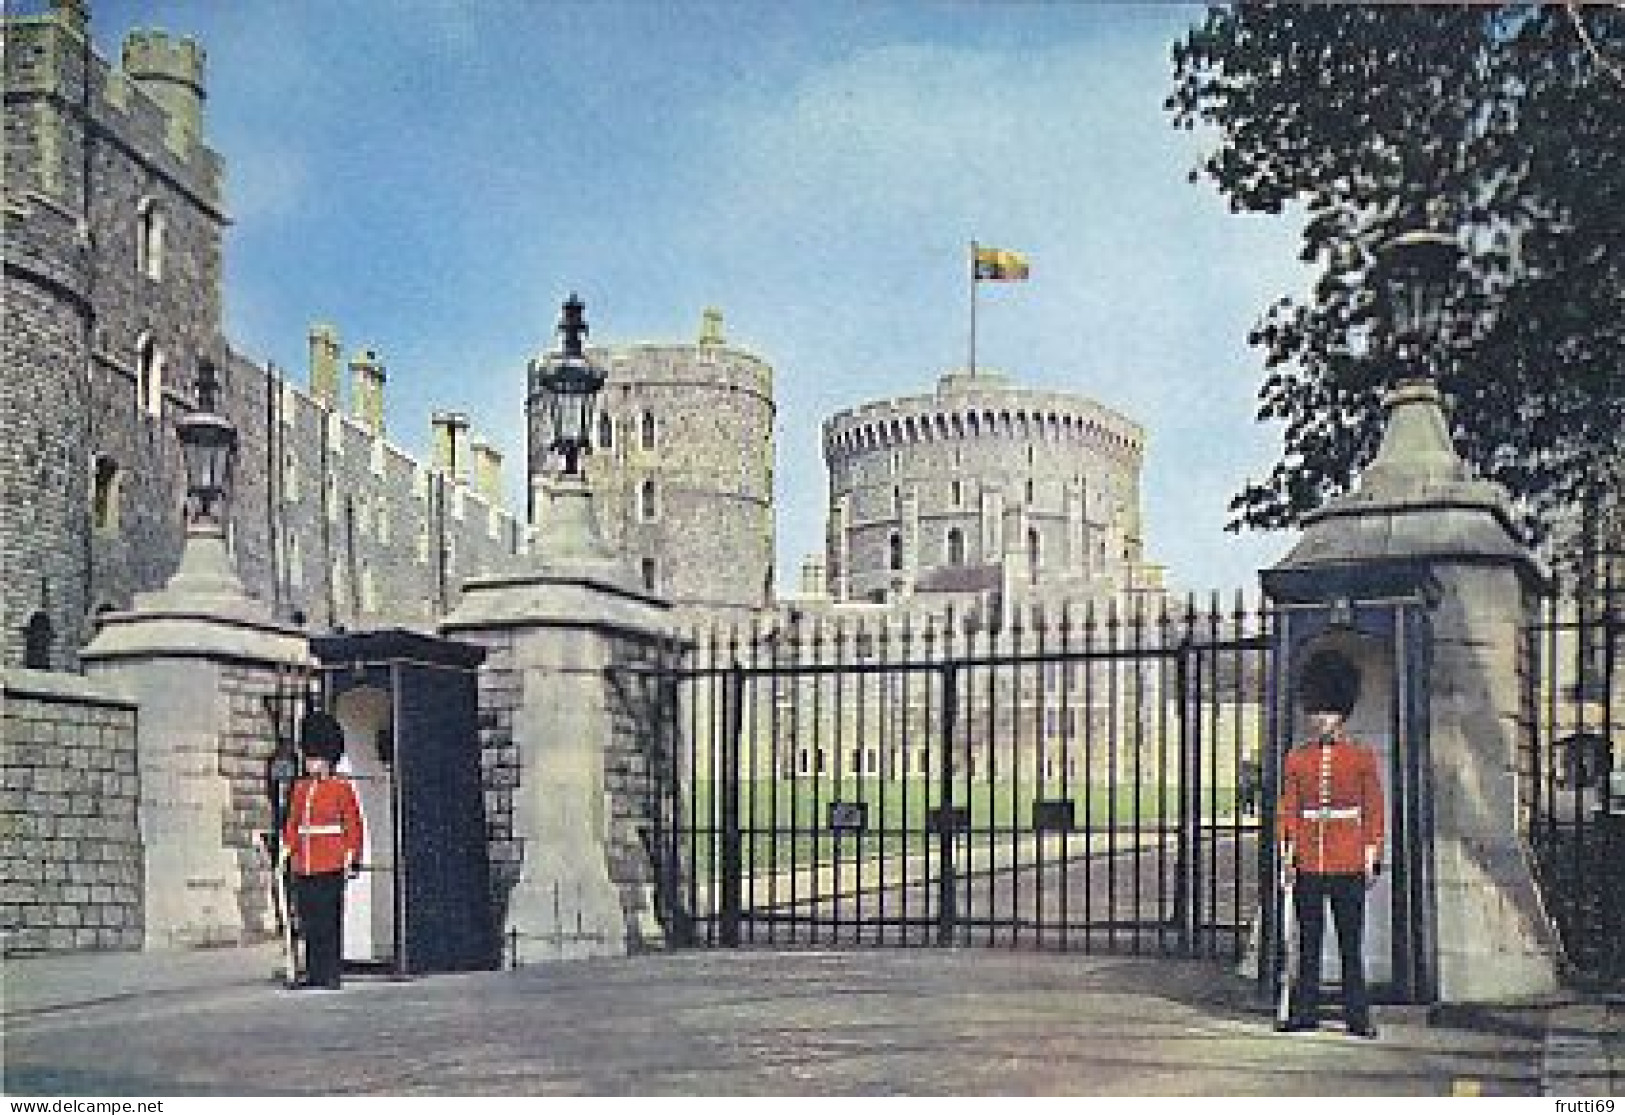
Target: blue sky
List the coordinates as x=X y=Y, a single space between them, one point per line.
x=435 y=176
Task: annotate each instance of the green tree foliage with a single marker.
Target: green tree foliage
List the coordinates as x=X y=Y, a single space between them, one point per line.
x=1506 y=125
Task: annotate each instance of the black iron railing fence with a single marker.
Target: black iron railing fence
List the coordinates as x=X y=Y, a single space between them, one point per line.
x=1073 y=777
x=1572 y=790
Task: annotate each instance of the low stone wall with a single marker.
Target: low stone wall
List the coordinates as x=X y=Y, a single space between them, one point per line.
x=70 y=845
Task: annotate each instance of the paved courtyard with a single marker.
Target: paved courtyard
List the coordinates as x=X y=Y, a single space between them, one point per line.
x=877 y=1022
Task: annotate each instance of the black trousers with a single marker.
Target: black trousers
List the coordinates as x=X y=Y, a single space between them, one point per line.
x=1346 y=894
x=320 y=902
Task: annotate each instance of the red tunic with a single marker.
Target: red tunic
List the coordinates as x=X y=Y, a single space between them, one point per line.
x=323 y=831
x=1331 y=807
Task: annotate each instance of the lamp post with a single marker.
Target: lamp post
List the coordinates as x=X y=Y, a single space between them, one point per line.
x=1415 y=269
x=569 y=384
x=209 y=450
x=1414 y=273
x=566 y=385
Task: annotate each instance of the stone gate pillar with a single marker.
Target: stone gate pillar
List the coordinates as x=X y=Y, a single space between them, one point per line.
x=197 y=657
x=555 y=630
x=1417 y=507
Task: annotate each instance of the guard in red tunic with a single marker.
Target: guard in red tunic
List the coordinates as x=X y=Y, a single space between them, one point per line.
x=1330 y=830
x=323 y=838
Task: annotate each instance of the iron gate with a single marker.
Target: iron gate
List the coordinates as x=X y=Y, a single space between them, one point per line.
x=1573 y=774
x=1066 y=779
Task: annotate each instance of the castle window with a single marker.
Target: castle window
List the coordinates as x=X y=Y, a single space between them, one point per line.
x=296 y=561
x=37 y=638
x=651 y=574
x=895 y=546
x=1029 y=491
x=646 y=502
x=149 y=239
x=149 y=376
x=606 y=432
x=1034 y=555
x=290 y=476
x=104 y=501
x=956 y=546
x=959 y=494
x=647 y=429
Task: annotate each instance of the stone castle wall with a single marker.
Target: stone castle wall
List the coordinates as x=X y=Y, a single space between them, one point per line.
x=97 y=328
x=682 y=471
x=936 y=493
x=112 y=299
x=337 y=527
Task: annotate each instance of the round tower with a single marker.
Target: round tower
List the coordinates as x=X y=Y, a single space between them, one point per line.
x=681 y=467
x=982 y=486
x=170 y=70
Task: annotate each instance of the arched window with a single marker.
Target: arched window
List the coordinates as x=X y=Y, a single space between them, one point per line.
x=647 y=429
x=149 y=239
x=646 y=501
x=149 y=375
x=895 y=545
x=104 y=499
x=37 y=639
x=606 y=432
x=956 y=546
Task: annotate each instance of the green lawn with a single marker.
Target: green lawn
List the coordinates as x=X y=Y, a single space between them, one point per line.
x=785 y=822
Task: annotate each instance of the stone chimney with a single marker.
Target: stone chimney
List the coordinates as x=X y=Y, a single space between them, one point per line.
x=367 y=390
x=324 y=364
x=451 y=445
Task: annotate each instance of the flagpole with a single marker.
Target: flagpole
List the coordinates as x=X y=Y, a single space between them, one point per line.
x=973 y=308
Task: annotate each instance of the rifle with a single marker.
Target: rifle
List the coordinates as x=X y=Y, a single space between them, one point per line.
x=280 y=909
x=1289 y=941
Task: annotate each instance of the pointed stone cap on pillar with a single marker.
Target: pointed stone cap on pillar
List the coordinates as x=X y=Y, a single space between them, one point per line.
x=1416 y=450
x=202 y=612
x=1417 y=500
x=571 y=575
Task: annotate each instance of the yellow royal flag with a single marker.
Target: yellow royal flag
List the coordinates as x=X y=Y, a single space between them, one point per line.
x=996 y=265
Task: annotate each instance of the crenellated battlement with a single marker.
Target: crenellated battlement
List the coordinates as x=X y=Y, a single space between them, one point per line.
x=718 y=366
x=150 y=108
x=154 y=55
x=170 y=71
x=982 y=406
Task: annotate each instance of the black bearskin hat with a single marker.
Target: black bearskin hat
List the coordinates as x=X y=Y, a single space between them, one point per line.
x=320 y=736
x=1328 y=682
